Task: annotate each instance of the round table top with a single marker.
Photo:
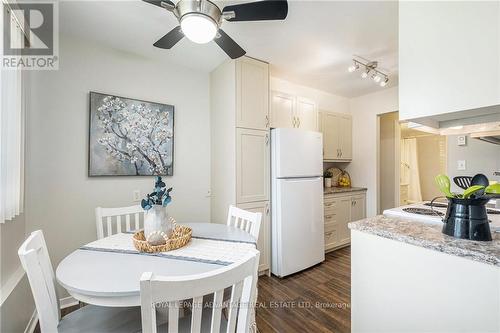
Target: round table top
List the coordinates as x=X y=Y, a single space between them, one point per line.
x=112 y=279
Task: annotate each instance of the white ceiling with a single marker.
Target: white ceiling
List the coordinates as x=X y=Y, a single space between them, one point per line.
x=313 y=46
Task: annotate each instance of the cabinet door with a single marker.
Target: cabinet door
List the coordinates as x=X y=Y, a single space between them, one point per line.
x=358 y=209
x=282 y=110
x=252 y=94
x=344 y=217
x=252 y=165
x=307 y=115
x=264 y=241
x=331 y=138
x=345 y=137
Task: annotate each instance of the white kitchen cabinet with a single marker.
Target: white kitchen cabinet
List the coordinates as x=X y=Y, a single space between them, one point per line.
x=290 y=111
x=252 y=165
x=252 y=94
x=282 y=110
x=307 y=115
x=340 y=209
x=263 y=244
x=337 y=136
x=239 y=138
x=445 y=64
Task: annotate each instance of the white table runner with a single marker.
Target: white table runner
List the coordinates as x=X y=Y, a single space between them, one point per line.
x=218 y=252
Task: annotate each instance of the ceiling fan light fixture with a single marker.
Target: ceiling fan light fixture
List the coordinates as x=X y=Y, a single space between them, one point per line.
x=198 y=28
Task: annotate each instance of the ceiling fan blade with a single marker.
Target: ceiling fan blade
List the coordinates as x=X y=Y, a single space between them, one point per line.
x=167 y=4
x=228 y=45
x=258 y=11
x=170 y=39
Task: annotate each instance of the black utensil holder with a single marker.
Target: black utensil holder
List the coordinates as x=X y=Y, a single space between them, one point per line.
x=467 y=219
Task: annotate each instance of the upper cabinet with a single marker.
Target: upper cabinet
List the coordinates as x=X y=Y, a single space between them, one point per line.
x=252 y=94
x=293 y=112
x=337 y=136
x=449 y=59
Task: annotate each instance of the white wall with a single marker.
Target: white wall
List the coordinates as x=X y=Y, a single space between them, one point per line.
x=324 y=100
x=445 y=64
x=479 y=156
x=388 y=159
x=363 y=168
x=60 y=196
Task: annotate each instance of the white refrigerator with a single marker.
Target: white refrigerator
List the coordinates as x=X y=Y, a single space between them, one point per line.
x=297 y=200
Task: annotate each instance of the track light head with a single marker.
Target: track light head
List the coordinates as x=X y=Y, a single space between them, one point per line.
x=364 y=75
x=353 y=67
x=384 y=82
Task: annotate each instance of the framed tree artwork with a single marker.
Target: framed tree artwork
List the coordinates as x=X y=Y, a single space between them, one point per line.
x=130 y=137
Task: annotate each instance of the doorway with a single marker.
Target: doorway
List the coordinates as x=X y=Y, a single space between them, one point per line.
x=409 y=160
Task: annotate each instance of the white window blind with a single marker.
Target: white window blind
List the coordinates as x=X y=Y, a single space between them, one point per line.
x=11 y=135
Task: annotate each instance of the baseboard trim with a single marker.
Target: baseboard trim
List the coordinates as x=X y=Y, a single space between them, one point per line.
x=64 y=302
x=11 y=284
x=30 y=328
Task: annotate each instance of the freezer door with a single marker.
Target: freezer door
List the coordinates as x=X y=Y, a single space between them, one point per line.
x=296 y=153
x=298 y=228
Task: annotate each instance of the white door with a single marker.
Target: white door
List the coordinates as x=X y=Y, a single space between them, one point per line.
x=296 y=153
x=282 y=110
x=252 y=165
x=307 y=115
x=298 y=229
x=264 y=241
x=252 y=94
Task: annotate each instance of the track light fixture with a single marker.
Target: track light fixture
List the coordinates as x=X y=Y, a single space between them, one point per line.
x=369 y=67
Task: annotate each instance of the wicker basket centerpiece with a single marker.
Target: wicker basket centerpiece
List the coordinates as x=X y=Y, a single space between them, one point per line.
x=180 y=237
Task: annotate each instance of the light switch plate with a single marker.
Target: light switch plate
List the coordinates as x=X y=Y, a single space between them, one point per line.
x=137 y=195
x=461 y=165
x=462 y=140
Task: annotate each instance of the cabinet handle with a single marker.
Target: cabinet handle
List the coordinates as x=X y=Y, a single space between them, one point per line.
x=328 y=205
x=329 y=216
x=298 y=120
x=267 y=121
x=267 y=139
x=340 y=152
x=267 y=209
x=293 y=122
x=329 y=233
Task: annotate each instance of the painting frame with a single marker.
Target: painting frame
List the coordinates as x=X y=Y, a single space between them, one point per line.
x=92 y=143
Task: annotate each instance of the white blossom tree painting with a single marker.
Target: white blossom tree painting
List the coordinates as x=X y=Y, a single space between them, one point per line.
x=130 y=137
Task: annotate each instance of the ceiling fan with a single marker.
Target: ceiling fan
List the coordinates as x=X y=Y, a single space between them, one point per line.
x=200 y=21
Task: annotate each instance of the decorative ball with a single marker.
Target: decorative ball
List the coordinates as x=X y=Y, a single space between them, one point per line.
x=156 y=238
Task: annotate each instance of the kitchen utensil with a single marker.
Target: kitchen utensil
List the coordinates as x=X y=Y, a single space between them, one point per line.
x=482 y=180
x=443 y=183
x=463 y=182
x=467 y=219
x=492 y=189
x=472 y=190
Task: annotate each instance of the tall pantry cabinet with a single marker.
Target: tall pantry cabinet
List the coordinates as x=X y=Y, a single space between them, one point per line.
x=239 y=116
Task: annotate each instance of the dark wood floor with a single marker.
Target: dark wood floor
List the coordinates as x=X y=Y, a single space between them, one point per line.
x=316 y=300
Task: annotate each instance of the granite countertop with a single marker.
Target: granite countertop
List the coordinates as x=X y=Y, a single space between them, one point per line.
x=430 y=236
x=336 y=189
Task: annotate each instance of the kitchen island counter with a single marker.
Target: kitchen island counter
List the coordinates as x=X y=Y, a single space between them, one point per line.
x=430 y=236
x=421 y=280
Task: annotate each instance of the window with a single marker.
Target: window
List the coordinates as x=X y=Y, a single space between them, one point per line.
x=11 y=134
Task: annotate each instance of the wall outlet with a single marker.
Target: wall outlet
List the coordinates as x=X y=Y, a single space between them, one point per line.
x=462 y=140
x=461 y=165
x=137 y=195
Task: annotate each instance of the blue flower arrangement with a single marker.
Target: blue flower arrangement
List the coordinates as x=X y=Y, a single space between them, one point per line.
x=160 y=196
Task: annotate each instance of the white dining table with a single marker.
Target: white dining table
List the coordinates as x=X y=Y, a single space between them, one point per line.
x=112 y=279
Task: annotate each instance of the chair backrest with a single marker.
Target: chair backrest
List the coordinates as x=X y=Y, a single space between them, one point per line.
x=36 y=262
x=243 y=219
x=170 y=291
x=114 y=221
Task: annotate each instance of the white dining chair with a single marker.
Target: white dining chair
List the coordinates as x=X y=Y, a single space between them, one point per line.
x=171 y=291
x=243 y=219
x=114 y=222
x=90 y=318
